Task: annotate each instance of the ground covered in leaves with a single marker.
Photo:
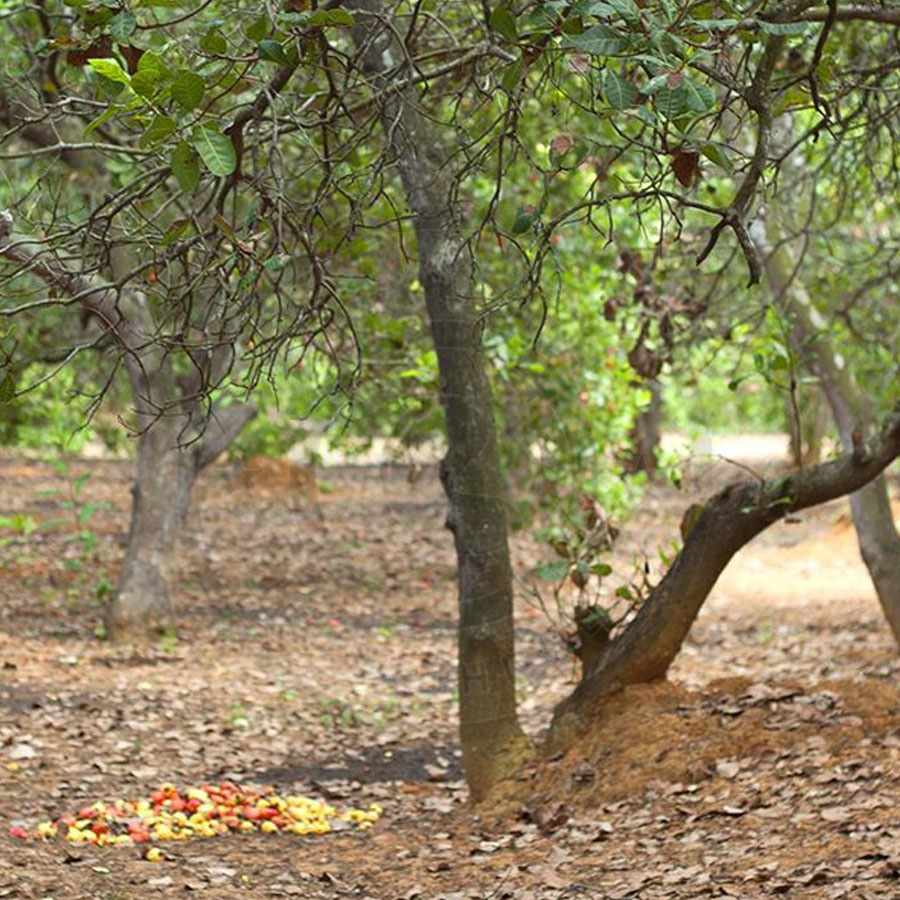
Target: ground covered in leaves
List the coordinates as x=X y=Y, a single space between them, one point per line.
x=315 y=656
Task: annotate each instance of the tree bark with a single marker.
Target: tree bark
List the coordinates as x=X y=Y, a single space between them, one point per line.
x=876 y=532
x=165 y=472
x=492 y=740
x=728 y=521
x=164 y=475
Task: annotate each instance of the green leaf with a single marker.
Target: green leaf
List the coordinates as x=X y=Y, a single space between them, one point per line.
x=717 y=24
x=185 y=166
x=700 y=97
x=144 y=83
x=512 y=75
x=783 y=27
x=175 y=230
x=598 y=9
x=525 y=218
x=272 y=51
x=793 y=98
x=215 y=149
x=627 y=9
x=324 y=18
x=110 y=69
x=213 y=43
x=648 y=115
x=258 y=29
x=572 y=25
x=95 y=18
x=85 y=514
x=601 y=40
x=7 y=390
x=122 y=26
x=151 y=74
x=277 y=262
x=620 y=94
x=601 y=570
x=552 y=571
x=716 y=154
x=153 y=64
x=160 y=128
x=654 y=84
x=671 y=102
x=188 y=89
x=597 y=616
x=540 y=21
x=102 y=119
x=504 y=23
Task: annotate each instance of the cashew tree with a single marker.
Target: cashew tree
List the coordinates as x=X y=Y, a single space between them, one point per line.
x=110 y=252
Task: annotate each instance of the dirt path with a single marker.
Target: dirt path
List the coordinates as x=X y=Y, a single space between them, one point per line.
x=318 y=657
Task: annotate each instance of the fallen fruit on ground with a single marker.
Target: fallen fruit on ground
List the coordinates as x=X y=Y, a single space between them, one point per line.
x=170 y=814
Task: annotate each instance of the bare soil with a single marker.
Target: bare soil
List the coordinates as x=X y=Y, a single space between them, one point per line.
x=315 y=653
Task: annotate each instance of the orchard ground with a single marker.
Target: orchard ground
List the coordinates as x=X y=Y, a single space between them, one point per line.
x=317 y=655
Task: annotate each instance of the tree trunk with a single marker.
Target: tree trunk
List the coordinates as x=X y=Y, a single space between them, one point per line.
x=712 y=535
x=646 y=434
x=492 y=740
x=807 y=423
x=165 y=472
x=161 y=494
x=879 y=542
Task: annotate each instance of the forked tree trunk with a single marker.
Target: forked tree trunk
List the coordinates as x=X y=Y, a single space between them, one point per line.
x=492 y=741
x=879 y=542
x=165 y=471
x=728 y=521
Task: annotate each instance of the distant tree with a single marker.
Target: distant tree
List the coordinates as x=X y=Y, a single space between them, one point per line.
x=822 y=341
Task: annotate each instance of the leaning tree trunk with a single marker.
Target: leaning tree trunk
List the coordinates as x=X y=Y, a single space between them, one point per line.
x=491 y=737
x=879 y=542
x=713 y=533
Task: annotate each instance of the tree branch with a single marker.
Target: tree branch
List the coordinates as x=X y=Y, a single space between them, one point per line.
x=95 y=296
x=15 y=117
x=757 y=98
x=223 y=427
x=141 y=355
